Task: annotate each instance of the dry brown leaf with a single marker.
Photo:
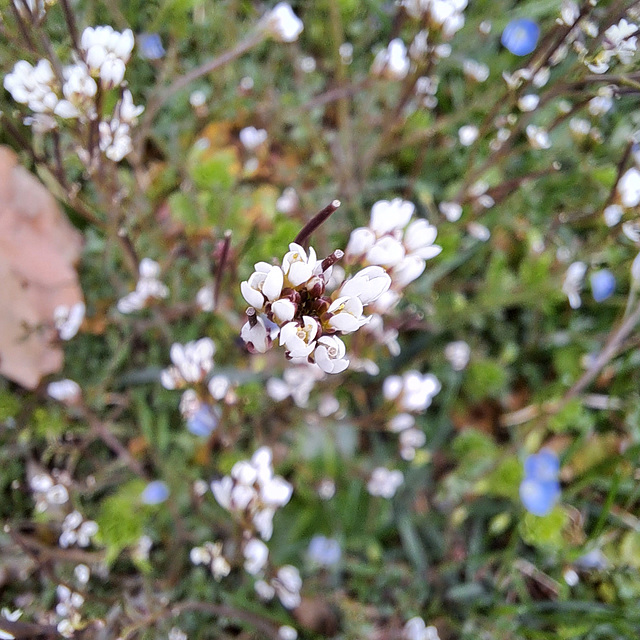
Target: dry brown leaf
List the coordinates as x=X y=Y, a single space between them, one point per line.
x=38 y=250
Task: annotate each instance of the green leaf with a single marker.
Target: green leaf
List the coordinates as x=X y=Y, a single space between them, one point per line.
x=121 y=519
x=545 y=531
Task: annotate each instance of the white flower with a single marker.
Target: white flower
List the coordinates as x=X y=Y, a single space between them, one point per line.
x=256 y=555
x=115 y=141
x=252 y=138
x=126 y=110
x=538 y=137
x=287 y=633
x=283 y=310
x=452 y=211
x=416 y=629
x=573 y=283
x=468 y=134
x=600 y=105
x=287 y=585
x=68 y=320
x=410 y=440
x=67 y=391
x=475 y=70
x=412 y=392
x=528 y=102
x=330 y=353
x=620 y=39
x=191 y=363
x=106 y=53
x=384 y=483
x=388 y=216
x=256 y=335
x=612 y=215
x=419 y=238
x=368 y=284
x=407 y=271
x=629 y=188
x=360 y=241
x=282 y=24
x=299 y=339
x=347 y=314
x=288 y=202
x=265 y=282
x=297 y=265
x=33 y=86
x=386 y=252
x=392 y=62
x=401 y=422
x=458 y=354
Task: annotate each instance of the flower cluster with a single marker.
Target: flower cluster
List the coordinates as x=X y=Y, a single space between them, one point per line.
x=293 y=306
x=396 y=241
x=252 y=494
x=148 y=288
x=77 y=531
x=619 y=42
x=68 y=609
x=210 y=555
x=416 y=629
x=192 y=364
x=411 y=393
x=50 y=490
x=540 y=489
x=445 y=16
x=74 y=94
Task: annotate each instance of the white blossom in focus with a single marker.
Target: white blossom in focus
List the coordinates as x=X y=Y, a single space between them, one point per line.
x=330 y=354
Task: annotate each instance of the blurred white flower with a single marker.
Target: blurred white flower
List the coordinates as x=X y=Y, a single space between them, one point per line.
x=458 y=354
x=538 y=137
x=192 y=362
x=256 y=555
x=392 y=62
x=384 y=483
x=66 y=391
x=629 y=188
x=282 y=24
x=413 y=392
x=468 y=134
x=67 y=320
x=106 y=53
x=252 y=138
x=573 y=283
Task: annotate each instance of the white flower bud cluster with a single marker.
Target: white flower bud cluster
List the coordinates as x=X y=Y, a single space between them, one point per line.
x=104 y=54
x=396 y=241
x=77 y=531
x=411 y=393
x=620 y=41
x=293 y=306
x=49 y=491
x=211 y=556
x=286 y=584
x=147 y=288
x=446 y=16
x=68 y=608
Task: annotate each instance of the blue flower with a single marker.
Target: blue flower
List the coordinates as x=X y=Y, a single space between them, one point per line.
x=204 y=421
x=520 y=36
x=155 y=492
x=150 y=46
x=603 y=284
x=543 y=466
x=324 y=551
x=540 y=489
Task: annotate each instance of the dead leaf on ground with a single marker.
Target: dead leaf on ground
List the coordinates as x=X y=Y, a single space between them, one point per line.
x=38 y=250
